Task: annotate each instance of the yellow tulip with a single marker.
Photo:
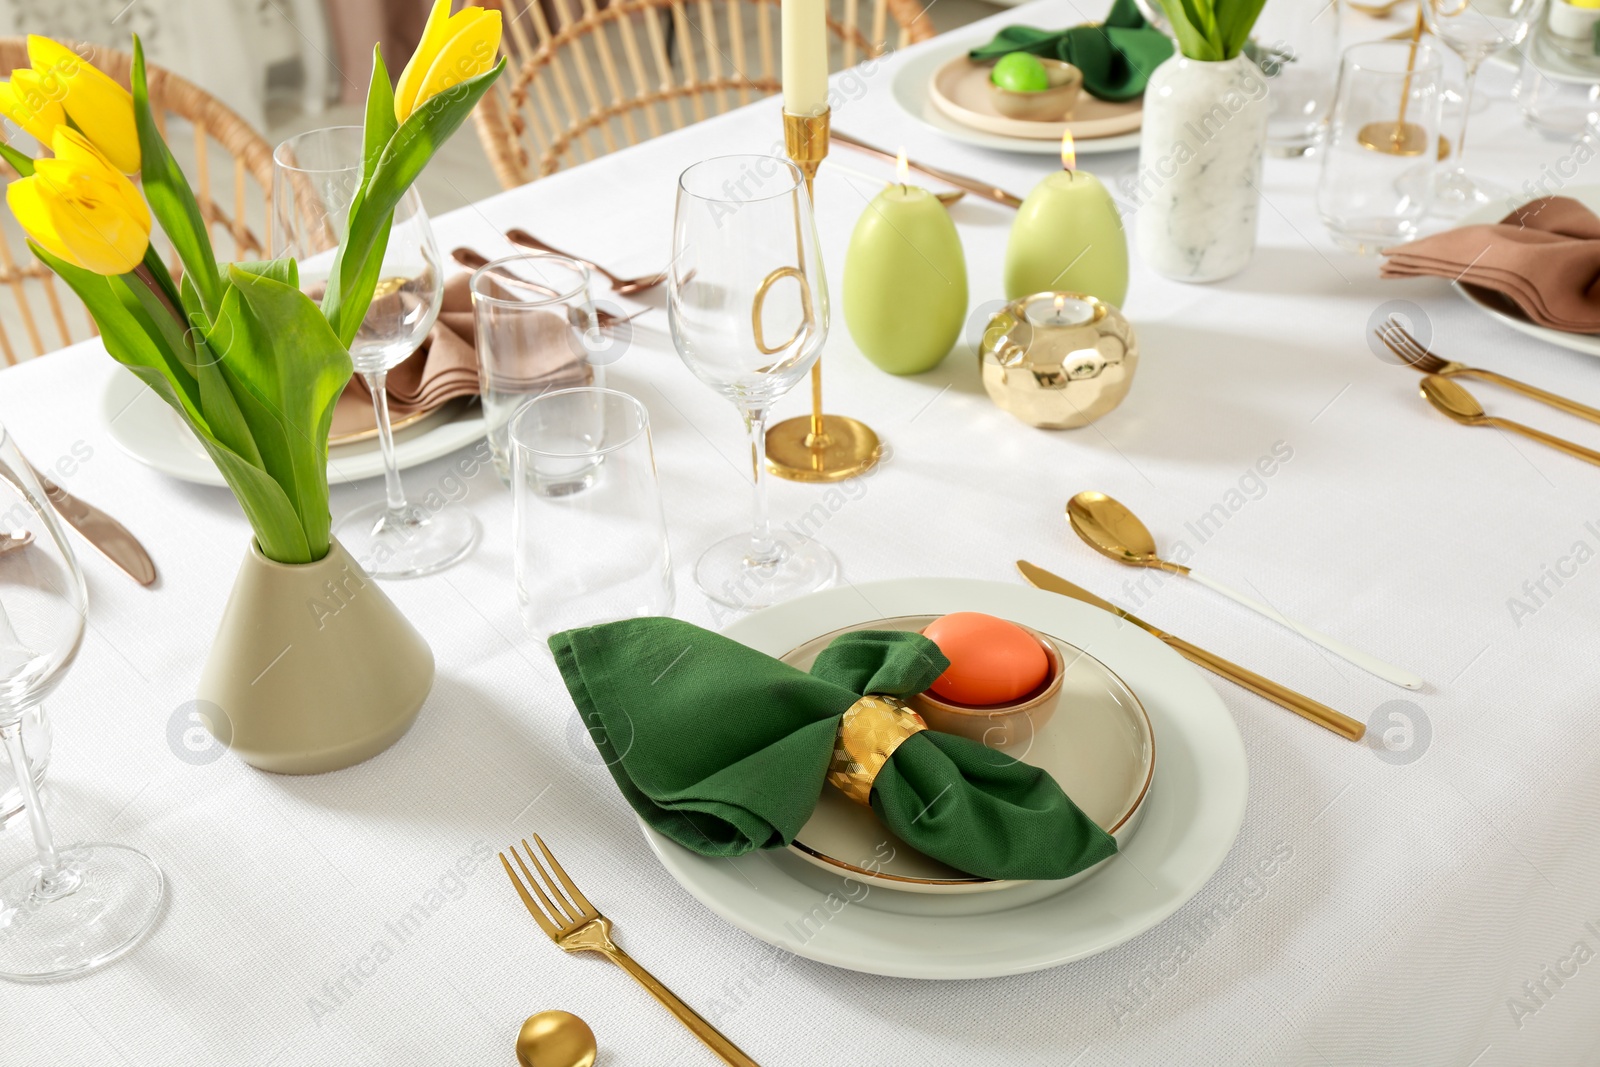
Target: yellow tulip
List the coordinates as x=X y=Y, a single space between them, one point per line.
x=97 y=105
x=453 y=49
x=24 y=101
x=81 y=208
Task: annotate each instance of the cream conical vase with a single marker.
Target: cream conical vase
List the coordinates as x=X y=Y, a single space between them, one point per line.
x=313 y=668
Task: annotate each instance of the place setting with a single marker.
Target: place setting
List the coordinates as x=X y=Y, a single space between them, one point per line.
x=784 y=592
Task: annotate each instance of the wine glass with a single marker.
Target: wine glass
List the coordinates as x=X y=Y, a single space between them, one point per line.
x=315 y=177
x=1473 y=30
x=72 y=908
x=748 y=307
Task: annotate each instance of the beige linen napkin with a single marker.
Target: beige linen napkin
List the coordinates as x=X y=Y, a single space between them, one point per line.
x=446 y=367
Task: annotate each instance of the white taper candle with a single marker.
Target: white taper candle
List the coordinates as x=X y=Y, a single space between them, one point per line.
x=805 y=57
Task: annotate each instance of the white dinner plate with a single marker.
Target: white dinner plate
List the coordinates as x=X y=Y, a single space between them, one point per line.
x=1192 y=813
x=1502 y=307
x=1096 y=743
x=910 y=92
x=151 y=432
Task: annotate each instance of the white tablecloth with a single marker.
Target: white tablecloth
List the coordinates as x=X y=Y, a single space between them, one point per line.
x=1438 y=906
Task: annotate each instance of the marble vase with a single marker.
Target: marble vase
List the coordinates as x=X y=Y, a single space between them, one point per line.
x=1198 y=189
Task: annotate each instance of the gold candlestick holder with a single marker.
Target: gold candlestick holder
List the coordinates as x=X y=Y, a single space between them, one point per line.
x=817 y=447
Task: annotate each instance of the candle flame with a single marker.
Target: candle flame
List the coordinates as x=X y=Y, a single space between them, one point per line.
x=902 y=169
x=1061 y=304
x=1069 y=154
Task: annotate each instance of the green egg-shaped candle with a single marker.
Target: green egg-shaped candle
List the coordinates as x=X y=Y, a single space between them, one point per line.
x=1067 y=237
x=905 y=281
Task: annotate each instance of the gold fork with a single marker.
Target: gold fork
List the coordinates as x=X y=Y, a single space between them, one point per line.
x=1415 y=353
x=576 y=926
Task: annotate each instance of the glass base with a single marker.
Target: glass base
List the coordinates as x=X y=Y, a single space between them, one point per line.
x=407 y=545
x=1457 y=193
x=727 y=574
x=106 y=898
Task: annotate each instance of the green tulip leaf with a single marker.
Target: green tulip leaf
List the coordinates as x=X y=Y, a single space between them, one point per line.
x=355 y=275
x=171 y=199
x=288 y=402
x=20 y=162
x=133 y=339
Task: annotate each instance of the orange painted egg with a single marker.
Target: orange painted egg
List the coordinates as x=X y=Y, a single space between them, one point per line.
x=992 y=661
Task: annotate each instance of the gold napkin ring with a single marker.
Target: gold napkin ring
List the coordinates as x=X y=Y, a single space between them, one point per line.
x=868 y=735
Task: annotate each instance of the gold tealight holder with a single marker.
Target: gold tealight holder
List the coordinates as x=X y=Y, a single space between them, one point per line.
x=817 y=447
x=1058 y=360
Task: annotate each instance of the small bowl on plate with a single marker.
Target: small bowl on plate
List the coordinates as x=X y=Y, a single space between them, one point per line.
x=1100 y=748
x=1044 y=105
x=997 y=725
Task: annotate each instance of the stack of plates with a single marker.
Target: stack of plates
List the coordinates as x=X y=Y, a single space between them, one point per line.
x=944 y=89
x=1139 y=740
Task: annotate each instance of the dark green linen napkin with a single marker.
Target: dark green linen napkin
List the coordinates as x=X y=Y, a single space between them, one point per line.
x=1116 y=57
x=725 y=749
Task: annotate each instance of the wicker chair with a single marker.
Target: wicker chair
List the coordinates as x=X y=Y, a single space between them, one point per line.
x=605 y=77
x=219 y=137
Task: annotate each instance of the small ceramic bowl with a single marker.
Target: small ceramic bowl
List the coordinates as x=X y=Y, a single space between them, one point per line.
x=997 y=725
x=1571 y=21
x=1045 y=105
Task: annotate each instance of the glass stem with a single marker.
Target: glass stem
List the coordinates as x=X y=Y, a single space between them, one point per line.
x=377 y=385
x=763 y=551
x=1466 y=112
x=54 y=881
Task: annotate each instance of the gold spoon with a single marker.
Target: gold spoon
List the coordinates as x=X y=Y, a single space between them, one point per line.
x=1449 y=397
x=555 y=1039
x=1112 y=530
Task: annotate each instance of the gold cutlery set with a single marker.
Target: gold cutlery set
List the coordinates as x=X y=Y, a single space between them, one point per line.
x=1440 y=389
x=1111 y=529
x=575 y=925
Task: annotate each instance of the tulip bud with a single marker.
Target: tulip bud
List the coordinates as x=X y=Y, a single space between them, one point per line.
x=99 y=107
x=81 y=208
x=453 y=49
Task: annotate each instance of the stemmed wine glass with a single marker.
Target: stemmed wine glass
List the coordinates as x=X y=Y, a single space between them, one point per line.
x=72 y=908
x=749 y=312
x=1473 y=30
x=315 y=177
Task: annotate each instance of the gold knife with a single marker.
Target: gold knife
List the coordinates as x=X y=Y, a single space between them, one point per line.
x=1301 y=705
x=960 y=181
x=101 y=530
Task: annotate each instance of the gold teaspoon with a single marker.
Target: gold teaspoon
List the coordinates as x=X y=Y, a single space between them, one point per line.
x=1449 y=397
x=555 y=1039
x=1111 y=529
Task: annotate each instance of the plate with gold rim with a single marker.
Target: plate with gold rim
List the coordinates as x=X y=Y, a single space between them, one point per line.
x=1191 y=815
x=960 y=89
x=912 y=92
x=1096 y=743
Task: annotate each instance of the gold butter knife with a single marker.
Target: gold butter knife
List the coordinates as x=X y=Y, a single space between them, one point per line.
x=1301 y=705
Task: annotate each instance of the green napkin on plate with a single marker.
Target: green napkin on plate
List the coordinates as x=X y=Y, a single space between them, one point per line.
x=725 y=749
x=1116 y=57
